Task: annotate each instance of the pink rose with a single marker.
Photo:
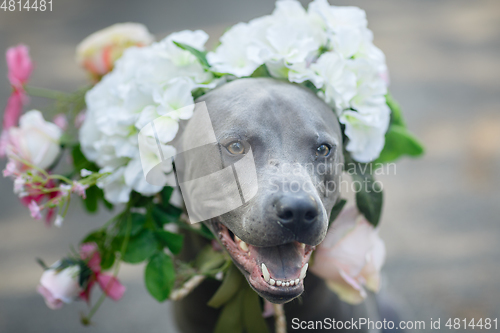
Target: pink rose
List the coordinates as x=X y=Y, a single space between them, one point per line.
x=350 y=257
x=19 y=65
x=98 y=52
x=58 y=287
x=109 y=284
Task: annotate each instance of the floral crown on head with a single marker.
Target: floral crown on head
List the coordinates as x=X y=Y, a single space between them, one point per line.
x=325 y=48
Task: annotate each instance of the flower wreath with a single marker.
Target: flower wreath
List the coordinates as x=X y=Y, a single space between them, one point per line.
x=326 y=48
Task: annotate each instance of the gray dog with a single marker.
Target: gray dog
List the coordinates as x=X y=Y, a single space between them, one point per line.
x=294 y=137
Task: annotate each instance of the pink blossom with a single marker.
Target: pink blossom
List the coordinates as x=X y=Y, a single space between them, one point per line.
x=19 y=183
x=350 y=257
x=11 y=117
x=10 y=169
x=35 y=210
x=79 y=119
x=61 y=121
x=13 y=109
x=111 y=286
x=79 y=189
x=19 y=65
x=90 y=251
x=65 y=189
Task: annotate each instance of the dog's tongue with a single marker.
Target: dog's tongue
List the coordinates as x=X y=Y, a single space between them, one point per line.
x=283 y=262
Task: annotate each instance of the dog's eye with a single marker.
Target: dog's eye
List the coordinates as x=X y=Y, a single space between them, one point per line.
x=323 y=150
x=236 y=148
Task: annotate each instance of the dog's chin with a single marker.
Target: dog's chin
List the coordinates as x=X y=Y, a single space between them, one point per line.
x=276 y=272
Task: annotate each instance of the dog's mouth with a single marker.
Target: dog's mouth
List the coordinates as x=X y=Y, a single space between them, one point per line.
x=275 y=272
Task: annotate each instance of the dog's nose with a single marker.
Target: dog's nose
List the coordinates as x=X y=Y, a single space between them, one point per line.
x=294 y=211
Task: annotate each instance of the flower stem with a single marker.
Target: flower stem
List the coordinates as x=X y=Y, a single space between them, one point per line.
x=46 y=93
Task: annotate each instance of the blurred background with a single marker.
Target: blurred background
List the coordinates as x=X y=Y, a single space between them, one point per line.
x=441 y=222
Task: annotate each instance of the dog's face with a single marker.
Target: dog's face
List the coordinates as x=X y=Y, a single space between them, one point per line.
x=296 y=143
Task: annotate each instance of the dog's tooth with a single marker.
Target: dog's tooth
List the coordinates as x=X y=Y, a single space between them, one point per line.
x=237 y=238
x=303 y=271
x=292 y=282
x=272 y=282
x=297 y=281
x=243 y=246
x=303 y=245
x=287 y=284
x=278 y=283
x=265 y=272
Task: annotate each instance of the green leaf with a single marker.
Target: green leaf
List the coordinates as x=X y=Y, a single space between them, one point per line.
x=398 y=142
x=252 y=312
x=166 y=215
x=160 y=276
x=197 y=53
x=230 y=320
x=229 y=287
x=140 y=247
x=261 y=71
x=97 y=237
x=369 y=196
x=137 y=224
x=85 y=274
x=166 y=194
x=171 y=240
x=80 y=161
x=336 y=210
x=396 y=113
x=93 y=194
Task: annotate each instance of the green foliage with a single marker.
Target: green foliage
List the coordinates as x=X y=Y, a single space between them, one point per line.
x=336 y=210
x=398 y=140
x=93 y=193
x=136 y=225
x=160 y=276
x=241 y=305
x=171 y=240
x=261 y=71
x=201 y=56
x=369 y=196
x=230 y=285
x=140 y=247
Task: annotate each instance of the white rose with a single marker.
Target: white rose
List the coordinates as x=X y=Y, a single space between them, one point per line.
x=35 y=140
x=350 y=257
x=98 y=52
x=60 y=287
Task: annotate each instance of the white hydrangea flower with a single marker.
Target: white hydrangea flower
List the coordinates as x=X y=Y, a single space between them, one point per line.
x=339 y=81
x=338 y=17
x=146 y=83
x=288 y=36
x=232 y=55
x=366 y=132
